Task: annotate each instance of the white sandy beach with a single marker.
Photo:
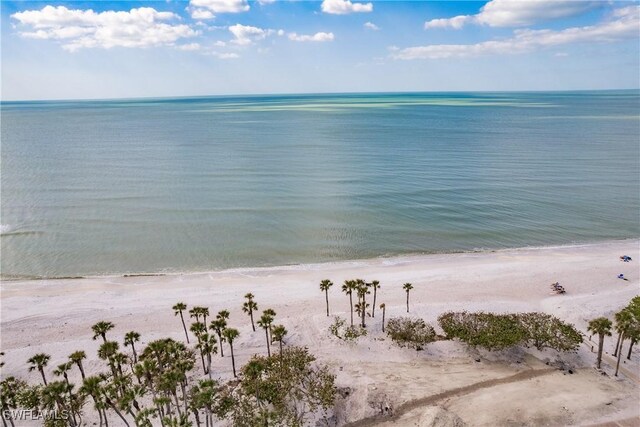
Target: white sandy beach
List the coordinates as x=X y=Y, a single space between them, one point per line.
x=442 y=385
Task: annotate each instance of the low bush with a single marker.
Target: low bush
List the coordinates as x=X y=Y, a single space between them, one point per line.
x=410 y=332
x=340 y=330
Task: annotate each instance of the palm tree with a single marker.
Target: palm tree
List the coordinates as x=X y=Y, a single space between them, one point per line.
x=348 y=287
x=130 y=339
x=624 y=321
x=92 y=386
x=265 y=323
x=178 y=309
x=375 y=285
x=279 y=333
x=383 y=307
x=249 y=306
x=39 y=361
x=324 y=286
x=198 y=329
x=602 y=327
x=76 y=357
x=107 y=351
x=207 y=345
x=231 y=334
x=407 y=287
x=100 y=329
x=219 y=325
x=362 y=305
x=634 y=336
x=270 y=312
x=61 y=371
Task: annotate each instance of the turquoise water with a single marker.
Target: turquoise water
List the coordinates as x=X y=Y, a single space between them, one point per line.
x=131 y=186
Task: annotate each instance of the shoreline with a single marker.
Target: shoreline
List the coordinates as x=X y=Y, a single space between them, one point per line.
x=303 y=266
x=55 y=317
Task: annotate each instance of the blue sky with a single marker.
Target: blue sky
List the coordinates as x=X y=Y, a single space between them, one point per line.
x=72 y=50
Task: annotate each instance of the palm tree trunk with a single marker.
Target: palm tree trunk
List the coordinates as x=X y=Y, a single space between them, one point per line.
x=351 y=304
x=363 y=311
x=407 y=301
x=630 y=348
x=135 y=355
x=373 y=310
x=280 y=347
x=266 y=334
x=383 y=312
x=175 y=397
x=81 y=369
x=106 y=422
x=183 y=387
x=619 y=353
x=326 y=295
x=233 y=360
x=600 y=345
x=253 y=326
x=209 y=365
x=186 y=334
x=42 y=373
x=615 y=352
x=124 y=420
x=220 y=341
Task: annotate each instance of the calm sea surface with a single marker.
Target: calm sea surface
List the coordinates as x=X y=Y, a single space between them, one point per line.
x=196 y=184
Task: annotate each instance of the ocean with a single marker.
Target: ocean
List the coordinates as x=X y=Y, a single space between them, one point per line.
x=207 y=183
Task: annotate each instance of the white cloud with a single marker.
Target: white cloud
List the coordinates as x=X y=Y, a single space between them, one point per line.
x=317 y=37
x=623 y=24
x=206 y=9
x=246 y=34
x=189 y=46
x=141 y=27
x=516 y=13
x=263 y=2
x=343 y=7
x=225 y=55
x=371 y=26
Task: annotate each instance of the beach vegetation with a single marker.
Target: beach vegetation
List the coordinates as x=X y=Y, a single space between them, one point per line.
x=546 y=331
x=279 y=332
x=407 y=287
x=410 y=332
x=281 y=390
x=480 y=329
x=100 y=329
x=348 y=287
x=249 y=306
x=130 y=339
x=600 y=326
x=230 y=334
x=219 y=325
x=324 y=287
x=265 y=322
x=361 y=307
x=375 y=285
x=340 y=330
x=178 y=308
x=39 y=362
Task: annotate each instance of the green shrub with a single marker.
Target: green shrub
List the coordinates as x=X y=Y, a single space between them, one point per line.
x=347 y=333
x=408 y=332
x=480 y=329
x=546 y=331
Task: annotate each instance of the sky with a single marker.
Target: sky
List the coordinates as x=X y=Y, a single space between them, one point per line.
x=123 y=49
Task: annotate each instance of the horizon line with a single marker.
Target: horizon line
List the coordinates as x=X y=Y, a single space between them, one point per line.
x=256 y=95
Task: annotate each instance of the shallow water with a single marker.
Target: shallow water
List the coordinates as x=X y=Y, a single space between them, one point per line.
x=108 y=187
